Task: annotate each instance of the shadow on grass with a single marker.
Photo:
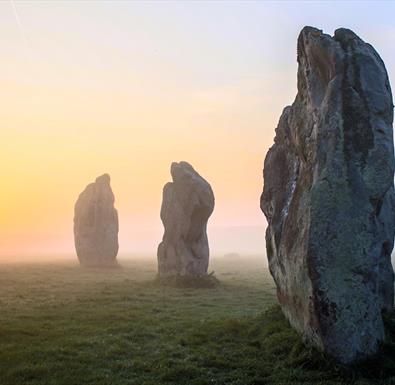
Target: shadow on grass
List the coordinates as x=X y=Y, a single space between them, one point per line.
x=266 y=350
x=209 y=281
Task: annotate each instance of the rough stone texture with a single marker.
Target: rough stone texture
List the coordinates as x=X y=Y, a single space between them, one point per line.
x=187 y=204
x=329 y=197
x=96 y=224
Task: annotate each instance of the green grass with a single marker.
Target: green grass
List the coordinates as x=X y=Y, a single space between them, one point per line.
x=63 y=324
x=204 y=282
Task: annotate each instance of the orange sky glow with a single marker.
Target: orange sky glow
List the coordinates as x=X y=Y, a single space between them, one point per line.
x=127 y=88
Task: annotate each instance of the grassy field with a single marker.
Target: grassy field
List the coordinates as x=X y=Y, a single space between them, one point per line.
x=63 y=324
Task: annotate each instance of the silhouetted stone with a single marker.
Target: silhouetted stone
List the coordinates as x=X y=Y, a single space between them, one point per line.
x=187 y=204
x=329 y=197
x=96 y=224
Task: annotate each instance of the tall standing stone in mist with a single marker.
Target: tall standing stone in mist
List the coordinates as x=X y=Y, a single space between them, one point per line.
x=329 y=197
x=96 y=224
x=187 y=204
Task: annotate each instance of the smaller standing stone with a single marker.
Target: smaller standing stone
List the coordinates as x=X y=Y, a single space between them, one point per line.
x=96 y=224
x=187 y=204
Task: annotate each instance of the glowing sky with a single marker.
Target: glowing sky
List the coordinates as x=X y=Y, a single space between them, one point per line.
x=127 y=88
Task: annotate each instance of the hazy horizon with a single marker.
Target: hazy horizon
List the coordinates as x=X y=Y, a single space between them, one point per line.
x=242 y=240
x=126 y=88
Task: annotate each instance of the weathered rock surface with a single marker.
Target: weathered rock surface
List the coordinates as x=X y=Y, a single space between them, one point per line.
x=96 y=224
x=329 y=198
x=187 y=204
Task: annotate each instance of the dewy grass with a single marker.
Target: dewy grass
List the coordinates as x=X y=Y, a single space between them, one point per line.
x=208 y=281
x=62 y=324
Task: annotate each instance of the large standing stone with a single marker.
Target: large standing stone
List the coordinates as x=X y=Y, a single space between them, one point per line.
x=96 y=224
x=187 y=204
x=329 y=196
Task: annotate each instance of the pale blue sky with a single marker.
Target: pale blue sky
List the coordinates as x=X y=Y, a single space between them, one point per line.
x=127 y=87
